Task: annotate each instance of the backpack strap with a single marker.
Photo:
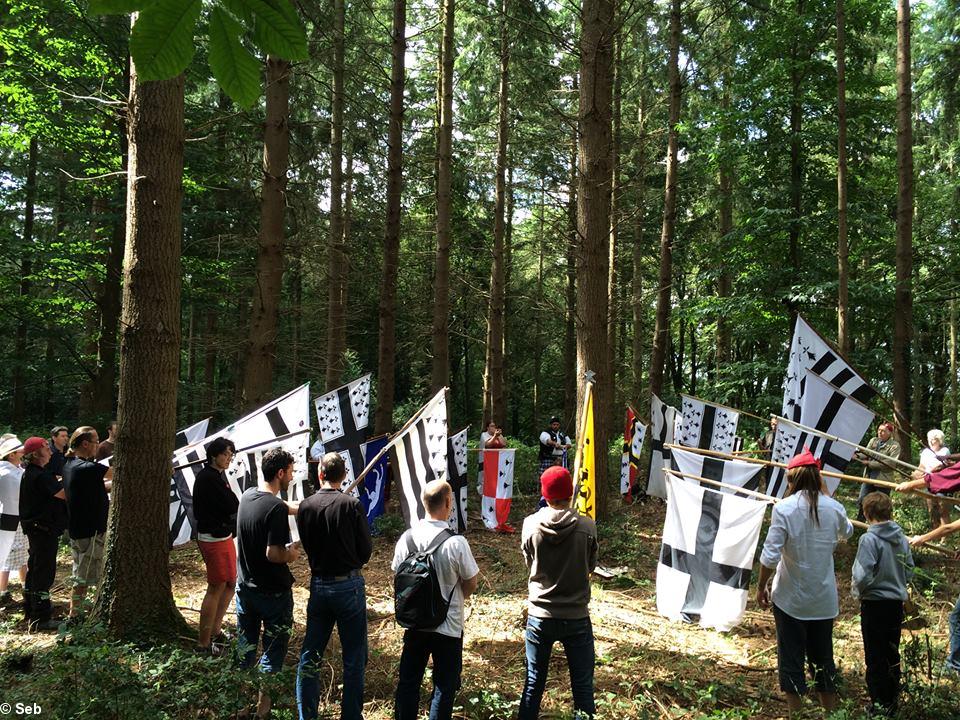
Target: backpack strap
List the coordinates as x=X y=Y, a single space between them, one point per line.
x=439 y=540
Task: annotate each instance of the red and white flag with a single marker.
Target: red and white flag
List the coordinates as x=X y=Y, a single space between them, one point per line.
x=497 y=472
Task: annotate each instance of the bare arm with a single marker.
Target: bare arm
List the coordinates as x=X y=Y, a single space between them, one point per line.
x=469 y=586
x=283 y=555
x=936 y=534
x=763 y=589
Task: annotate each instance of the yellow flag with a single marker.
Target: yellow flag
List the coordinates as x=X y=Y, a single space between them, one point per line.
x=586 y=479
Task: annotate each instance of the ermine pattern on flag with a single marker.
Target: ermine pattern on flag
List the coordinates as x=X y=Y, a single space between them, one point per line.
x=285 y=415
x=664 y=421
x=497 y=472
x=708 y=426
x=418 y=456
x=827 y=410
x=343 y=417
x=731 y=472
x=809 y=351
x=634 y=432
x=709 y=542
x=457 y=477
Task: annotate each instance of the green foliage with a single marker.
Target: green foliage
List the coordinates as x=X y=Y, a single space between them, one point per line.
x=235 y=68
x=161 y=41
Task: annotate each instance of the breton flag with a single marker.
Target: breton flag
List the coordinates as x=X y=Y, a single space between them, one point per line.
x=375 y=481
x=284 y=422
x=709 y=541
x=809 y=351
x=827 y=410
x=633 y=433
x=457 y=477
x=707 y=426
x=585 y=476
x=418 y=455
x=664 y=420
x=496 y=469
x=193 y=434
x=732 y=472
x=343 y=416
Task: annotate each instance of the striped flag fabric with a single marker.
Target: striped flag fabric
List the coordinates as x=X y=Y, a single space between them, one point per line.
x=809 y=351
x=707 y=426
x=190 y=435
x=418 y=455
x=709 y=542
x=732 y=472
x=343 y=420
x=457 y=477
x=585 y=476
x=285 y=420
x=633 y=433
x=825 y=410
x=664 y=421
x=497 y=473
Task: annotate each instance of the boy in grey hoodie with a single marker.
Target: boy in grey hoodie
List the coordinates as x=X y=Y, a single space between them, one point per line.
x=881 y=571
x=560 y=548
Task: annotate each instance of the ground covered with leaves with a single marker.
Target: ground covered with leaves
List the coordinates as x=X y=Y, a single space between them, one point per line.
x=647 y=667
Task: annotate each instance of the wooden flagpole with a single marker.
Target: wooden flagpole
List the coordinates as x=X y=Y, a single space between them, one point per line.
x=769 y=498
x=825 y=473
x=578 y=456
x=727 y=407
x=281 y=438
x=638 y=416
x=393 y=438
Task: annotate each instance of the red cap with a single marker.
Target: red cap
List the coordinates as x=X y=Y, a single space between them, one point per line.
x=33 y=444
x=888 y=425
x=804 y=458
x=556 y=483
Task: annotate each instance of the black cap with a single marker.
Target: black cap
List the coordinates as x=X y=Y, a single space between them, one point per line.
x=554 y=419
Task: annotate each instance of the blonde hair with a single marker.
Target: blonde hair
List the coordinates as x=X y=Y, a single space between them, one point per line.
x=435 y=494
x=934 y=434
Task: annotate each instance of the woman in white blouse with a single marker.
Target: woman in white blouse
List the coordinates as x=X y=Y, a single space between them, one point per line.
x=931 y=459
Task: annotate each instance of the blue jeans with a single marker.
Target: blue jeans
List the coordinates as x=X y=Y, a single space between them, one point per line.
x=418 y=647
x=274 y=613
x=953 y=659
x=343 y=603
x=577 y=639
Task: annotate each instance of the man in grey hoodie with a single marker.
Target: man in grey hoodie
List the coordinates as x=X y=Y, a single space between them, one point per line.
x=881 y=571
x=560 y=548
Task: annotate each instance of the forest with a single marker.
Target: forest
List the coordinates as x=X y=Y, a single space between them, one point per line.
x=204 y=204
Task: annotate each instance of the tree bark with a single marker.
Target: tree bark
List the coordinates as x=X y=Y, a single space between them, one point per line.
x=954 y=405
x=796 y=146
x=261 y=356
x=725 y=279
x=612 y=420
x=903 y=297
x=440 y=374
x=569 y=328
x=336 y=256
x=386 y=354
x=636 y=282
x=593 y=223
x=135 y=598
x=19 y=409
x=843 y=260
x=495 y=319
x=661 y=330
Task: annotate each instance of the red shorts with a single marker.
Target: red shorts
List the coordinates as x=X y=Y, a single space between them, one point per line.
x=220 y=559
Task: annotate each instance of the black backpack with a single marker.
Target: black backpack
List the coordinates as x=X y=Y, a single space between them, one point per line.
x=417 y=596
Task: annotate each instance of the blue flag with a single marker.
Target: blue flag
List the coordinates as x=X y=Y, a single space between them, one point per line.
x=375 y=483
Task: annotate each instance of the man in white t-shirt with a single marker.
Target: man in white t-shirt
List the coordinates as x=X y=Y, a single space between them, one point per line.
x=458 y=573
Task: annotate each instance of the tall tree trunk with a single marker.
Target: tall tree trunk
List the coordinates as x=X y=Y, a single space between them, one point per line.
x=661 y=332
x=262 y=354
x=336 y=256
x=593 y=223
x=508 y=379
x=636 y=282
x=843 y=260
x=440 y=374
x=18 y=411
x=537 y=322
x=725 y=279
x=495 y=319
x=954 y=405
x=612 y=420
x=903 y=293
x=796 y=144
x=569 y=328
x=99 y=208
x=135 y=599
x=210 y=363
x=386 y=360
x=109 y=302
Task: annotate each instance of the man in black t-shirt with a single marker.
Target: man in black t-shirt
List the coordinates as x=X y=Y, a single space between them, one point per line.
x=264 y=550
x=59 y=437
x=335 y=535
x=43 y=516
x=86 y=483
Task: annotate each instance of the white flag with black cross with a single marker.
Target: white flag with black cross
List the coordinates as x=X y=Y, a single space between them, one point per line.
x=707 y=426
x=731 y=472
x=709 y=542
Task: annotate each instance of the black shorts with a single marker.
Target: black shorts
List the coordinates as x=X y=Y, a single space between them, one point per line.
x=799 y=640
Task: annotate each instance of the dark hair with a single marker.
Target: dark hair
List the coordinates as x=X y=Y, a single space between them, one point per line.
x=218 y=446
x=273 y=462
x=332 y=468
x=806 y=479
x=57 y=430
x=878 y=506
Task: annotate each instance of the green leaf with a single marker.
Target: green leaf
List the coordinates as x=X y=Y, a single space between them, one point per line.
x=237 y=71
x=161 y=42
x=117 y=7
x=240 y=10
x=277 y=29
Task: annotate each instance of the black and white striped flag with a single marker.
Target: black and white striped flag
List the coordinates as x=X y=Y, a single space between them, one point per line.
x=193 y=434
x=284 y=422
x=809 y=351
x=664 y=420
x=418 y=456
x=457 y=477
x=708 y=426
x=731 y=472
x=343 y=417
x=825 y=410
